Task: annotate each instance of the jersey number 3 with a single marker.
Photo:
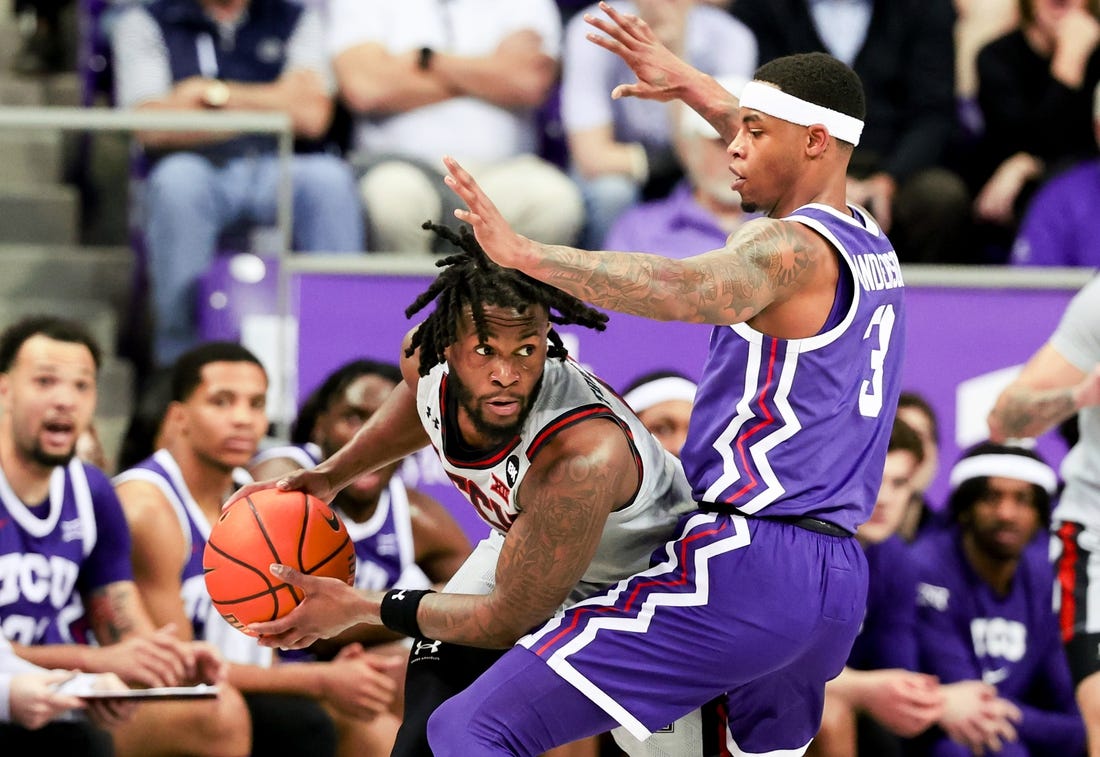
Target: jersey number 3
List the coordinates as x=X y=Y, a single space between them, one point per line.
x=870 y=392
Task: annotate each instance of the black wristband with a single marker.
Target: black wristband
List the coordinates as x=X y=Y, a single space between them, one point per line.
x=424 y=62
x=398 y=611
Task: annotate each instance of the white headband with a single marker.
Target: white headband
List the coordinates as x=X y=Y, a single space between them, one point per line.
x=775 y=102
x=1005 y=465
x=662 y=390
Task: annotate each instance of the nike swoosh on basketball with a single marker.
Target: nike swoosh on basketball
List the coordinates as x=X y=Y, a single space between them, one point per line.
x=333 y=520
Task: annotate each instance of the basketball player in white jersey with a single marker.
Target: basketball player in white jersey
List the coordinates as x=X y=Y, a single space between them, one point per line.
x=575 y=489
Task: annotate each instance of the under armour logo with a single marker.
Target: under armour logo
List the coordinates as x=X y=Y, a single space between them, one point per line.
x=399 y=596
x=432 y=647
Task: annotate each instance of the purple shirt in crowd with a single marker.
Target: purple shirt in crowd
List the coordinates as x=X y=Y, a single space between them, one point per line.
x=676 y=227
x=965 y=631
x=1059 y=228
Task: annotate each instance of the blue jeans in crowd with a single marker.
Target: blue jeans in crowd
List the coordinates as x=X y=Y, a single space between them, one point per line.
x=189 y=202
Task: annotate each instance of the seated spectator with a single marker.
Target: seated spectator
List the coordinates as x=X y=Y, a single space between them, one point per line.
x=212 y=428
x=1035 y=87
x=663 y=400
x=1059 y=226
x=64 y=525
x=879 y=697
x=403 y=538
x=984 y=613
x=623 y=150
x=251 y=55
x=702 y=210
x=423 y=80
x=978 y=22
x=904 y=53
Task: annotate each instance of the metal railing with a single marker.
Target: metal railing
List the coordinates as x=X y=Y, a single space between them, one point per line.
x=79 y=119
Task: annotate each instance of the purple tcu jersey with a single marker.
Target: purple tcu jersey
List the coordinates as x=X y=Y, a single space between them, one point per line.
x=162 y=471
x=51 y=554
x=967 y=631
x=764 y=432
x=888 y=636
x=385 y=556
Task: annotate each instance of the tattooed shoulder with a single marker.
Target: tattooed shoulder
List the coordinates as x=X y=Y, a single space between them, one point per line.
x=782 y=251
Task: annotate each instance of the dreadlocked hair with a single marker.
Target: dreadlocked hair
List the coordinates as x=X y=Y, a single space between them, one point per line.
x=470 y=279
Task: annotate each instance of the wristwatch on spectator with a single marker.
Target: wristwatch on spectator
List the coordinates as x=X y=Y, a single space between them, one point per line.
x=424 y=62
x=216 y=94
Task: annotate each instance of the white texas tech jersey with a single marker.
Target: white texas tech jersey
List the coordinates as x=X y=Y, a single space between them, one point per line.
x=490 y=479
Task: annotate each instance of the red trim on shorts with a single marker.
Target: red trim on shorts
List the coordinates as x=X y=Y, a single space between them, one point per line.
x=1067 y=573
x=723 y=730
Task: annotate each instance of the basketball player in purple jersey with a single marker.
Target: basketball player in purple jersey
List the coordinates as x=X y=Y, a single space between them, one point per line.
x=67 y=592
x=211 y=428
x=489 y=385
x=762 y=594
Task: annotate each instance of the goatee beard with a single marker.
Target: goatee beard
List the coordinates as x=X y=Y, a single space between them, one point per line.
x=47 y=460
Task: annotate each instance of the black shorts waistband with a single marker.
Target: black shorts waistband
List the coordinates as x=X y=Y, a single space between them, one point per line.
x=807 y=522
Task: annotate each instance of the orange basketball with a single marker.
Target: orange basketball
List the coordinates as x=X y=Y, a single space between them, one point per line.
x=272 y=526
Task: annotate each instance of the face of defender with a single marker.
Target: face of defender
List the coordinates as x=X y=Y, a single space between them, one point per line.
x=764 y=158
x=48 y=397
x=495 y=379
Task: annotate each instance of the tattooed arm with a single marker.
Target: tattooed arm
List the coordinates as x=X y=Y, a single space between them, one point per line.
x=584 y=474
x=764 y=262
x=1047 y=391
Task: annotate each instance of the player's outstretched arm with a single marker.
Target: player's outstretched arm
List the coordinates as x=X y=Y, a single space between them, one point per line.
x=764 y=261
x=1047 y=391
x=661 y=75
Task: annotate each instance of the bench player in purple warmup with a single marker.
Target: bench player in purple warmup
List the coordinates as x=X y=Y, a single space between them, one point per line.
x=761 y=595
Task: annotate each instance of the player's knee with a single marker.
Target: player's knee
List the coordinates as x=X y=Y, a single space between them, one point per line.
x=451 y=729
